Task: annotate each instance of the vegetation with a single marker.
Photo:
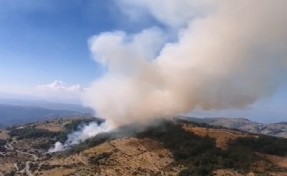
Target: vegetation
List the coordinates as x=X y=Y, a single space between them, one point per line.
x=97 y=159
x=264 y=144
x=76 y=124
x=206 y=125
x=99 y=139
x=31 y=132
x=48 y=167
x=2 y=142
x=198 y=154
x=11 y=173
x=73 y=126
x=44 y=144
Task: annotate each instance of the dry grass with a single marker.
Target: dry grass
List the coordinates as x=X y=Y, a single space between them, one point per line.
x=125 y=157
x=132 y=155
x=221 y=136
x=128 y=156
x=57 y=172
x=51 y=126
x=227 y=172
x=277 y=160
x=6 y=167
x=54 y=126
x=4 y=134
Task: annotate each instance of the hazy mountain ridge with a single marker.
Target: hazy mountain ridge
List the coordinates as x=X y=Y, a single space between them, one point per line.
x=271 y=129
x=45 y=104
x=14 y=115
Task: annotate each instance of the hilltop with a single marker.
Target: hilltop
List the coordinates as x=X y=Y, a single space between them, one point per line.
x=243 y=124
x=175 y=147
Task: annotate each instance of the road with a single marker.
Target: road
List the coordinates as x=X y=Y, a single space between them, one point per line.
x=30 y=154
x=27 y=170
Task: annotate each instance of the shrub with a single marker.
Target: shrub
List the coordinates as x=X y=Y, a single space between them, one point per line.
x=31 y=132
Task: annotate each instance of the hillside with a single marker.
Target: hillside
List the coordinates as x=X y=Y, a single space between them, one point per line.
x=168 y=148
x=272 y=129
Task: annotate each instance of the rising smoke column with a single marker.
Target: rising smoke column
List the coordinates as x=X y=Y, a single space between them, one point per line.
x=227 y=54
x=83 y=133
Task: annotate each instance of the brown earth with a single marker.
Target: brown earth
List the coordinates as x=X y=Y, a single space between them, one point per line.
x=280 y=161
x=125 y=156
x=53 y=126
x=221 y=136
x=4 y=135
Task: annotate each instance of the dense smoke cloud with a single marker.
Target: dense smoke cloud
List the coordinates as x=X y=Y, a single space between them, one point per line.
x=83 y=133
x=228 y=54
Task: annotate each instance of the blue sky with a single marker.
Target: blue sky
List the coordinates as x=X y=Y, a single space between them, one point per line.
x=46 y=40
x=45 y=43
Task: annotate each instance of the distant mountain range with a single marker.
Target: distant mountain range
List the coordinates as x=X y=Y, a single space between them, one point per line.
x=14 y=112
x=272 y=129
x=14 y=115
x=45 y=104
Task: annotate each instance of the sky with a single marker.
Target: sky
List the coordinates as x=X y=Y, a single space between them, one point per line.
x=46 y=40
x=45 y=52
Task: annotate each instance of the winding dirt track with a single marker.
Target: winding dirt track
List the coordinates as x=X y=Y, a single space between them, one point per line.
x=26 y=153
x=27 y=170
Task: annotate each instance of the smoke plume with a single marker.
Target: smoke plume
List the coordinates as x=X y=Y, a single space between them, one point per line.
x=84 y=133
x=227 y=54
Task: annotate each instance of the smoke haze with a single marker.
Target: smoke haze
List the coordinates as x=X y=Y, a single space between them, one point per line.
x=227 y=54
x=82 y=134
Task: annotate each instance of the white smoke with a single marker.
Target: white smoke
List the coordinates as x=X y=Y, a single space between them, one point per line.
x=84 y=133
x=58 y=146
x=228 y=54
